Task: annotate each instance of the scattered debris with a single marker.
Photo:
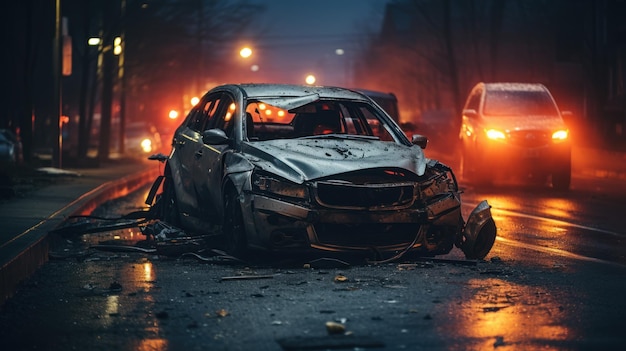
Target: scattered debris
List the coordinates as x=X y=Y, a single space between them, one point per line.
x=335 y=328
x=493 y=308
x=341 y=278
x=499 y=341
x=326 y=263
x=122 y=248
x=79 y=225
x=464 y=262
x=248 y=277
x=222 y=313
x=93 y=290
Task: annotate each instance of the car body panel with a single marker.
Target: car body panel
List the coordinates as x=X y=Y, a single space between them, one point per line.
x=318 y=158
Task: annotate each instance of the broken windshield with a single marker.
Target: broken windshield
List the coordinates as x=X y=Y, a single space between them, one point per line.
x=289 y=103
x=269 y=119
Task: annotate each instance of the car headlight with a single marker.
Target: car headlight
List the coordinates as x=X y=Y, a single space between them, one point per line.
x=146 y=145
x=495 y=134
x=560 y=135
x=281 y=187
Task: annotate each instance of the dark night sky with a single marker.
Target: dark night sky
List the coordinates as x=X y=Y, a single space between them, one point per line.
x=302 y=36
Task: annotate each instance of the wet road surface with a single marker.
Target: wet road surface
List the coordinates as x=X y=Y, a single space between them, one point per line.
x=554 y=280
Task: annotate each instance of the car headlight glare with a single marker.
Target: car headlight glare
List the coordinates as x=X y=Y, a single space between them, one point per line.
x=146 y=145
x=560 y=135
x=495 y=134
x=279 y=187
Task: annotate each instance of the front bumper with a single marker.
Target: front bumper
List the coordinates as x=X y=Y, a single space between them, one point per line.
x=279 y=225
x=541 y=158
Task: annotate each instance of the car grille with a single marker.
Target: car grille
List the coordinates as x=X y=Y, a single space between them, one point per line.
x=530 y=138
x=344 y=195
x=366 y=235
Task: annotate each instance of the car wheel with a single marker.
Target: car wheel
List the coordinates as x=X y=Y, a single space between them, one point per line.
x=169 y=204
x=477 y=248
x=562 y=177
x=235 y=240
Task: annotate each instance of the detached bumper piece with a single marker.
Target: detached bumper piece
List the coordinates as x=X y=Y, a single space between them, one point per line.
x=479 y=232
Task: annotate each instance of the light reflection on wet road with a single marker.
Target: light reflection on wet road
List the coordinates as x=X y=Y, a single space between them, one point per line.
x=551 y=282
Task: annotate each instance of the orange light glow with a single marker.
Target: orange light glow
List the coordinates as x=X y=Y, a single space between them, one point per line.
x=173 y=114
x=195 y=100
x=559 y=135
x=232 y=107
x=262 y=106
x=147 y=270
x=146 y=145
x=245 y=52
x=153 y=345
x=281 y=113
x=495 y=134
x=501 y=309
x=228 y=116
x=310 y=79
x=268 y=112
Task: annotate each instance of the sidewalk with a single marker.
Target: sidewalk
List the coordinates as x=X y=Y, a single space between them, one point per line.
x=26 y=221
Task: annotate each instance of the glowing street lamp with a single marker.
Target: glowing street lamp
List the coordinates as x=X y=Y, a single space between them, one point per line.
x=173 y=114
x=94 y=41
x=310 y=79
x=245 y=52
x=117 y=46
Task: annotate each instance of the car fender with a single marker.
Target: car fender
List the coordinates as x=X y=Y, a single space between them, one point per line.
x=237 y=173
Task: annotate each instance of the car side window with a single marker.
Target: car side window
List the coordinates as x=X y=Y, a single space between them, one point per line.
x=474 y=100
x=203 y=113
x=223 y=117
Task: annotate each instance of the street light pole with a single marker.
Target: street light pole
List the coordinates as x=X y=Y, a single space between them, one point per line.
x=57 y=94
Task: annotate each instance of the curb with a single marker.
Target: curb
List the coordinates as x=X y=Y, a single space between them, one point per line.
x=24 y=264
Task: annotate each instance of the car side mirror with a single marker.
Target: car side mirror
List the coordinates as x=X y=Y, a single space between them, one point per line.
x=470 y=113
x=419 y=140
x=214 y=137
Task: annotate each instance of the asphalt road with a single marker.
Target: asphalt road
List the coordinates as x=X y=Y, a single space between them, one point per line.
x=554 y=280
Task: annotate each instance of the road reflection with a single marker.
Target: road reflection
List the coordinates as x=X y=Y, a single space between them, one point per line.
x=508 y=316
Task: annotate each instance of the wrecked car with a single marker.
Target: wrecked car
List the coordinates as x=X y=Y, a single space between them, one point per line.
x=288 y=168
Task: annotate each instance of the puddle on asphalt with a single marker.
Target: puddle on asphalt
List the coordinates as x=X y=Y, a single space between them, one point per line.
x=496 y=313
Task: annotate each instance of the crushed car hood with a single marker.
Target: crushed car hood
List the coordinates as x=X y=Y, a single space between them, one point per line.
x=524 y=122
x=306 y=159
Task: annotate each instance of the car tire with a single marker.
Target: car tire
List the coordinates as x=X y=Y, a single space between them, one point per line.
x=169 y=204
x=235 y=240
x=562 y=177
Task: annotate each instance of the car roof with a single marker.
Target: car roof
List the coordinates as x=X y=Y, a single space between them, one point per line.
x=378 y=94
x=260 y=90
x=514 y=86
